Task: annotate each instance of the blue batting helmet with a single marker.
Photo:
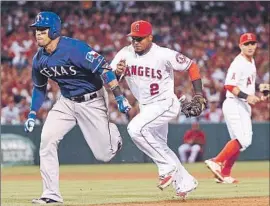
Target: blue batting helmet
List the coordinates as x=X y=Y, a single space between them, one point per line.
x=49 y=20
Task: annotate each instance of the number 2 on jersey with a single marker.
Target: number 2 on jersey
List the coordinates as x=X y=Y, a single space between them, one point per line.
x=154 y=89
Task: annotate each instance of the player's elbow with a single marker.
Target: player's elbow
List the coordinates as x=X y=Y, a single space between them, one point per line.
x=229 y=87
x=194 y=72
x=109 y=77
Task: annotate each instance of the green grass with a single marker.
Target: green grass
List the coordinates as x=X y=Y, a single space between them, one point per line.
x=87 y=192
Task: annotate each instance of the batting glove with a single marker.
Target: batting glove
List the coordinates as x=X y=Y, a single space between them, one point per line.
x=30 y=122
x=123 y=104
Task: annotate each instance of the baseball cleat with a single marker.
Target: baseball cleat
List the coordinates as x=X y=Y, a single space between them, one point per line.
x=215 y=168
x=227 y=180
x=184 y=194
x=44 y=200
x=166 y=180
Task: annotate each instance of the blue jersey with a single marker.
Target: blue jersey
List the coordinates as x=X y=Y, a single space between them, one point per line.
x=74 y=65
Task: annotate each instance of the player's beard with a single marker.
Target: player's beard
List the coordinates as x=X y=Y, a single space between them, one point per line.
x=144 y=51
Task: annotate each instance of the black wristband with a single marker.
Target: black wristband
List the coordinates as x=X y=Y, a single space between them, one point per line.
x=197 y=86
x=242 y=95
x=257 y=85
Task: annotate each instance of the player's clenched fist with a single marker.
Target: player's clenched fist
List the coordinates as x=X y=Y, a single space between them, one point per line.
x=120 y=67
x=252 y=99
x=123 y=104
x=30 y=122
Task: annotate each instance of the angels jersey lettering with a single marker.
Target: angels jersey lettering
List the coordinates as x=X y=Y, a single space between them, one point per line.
x=150 y=76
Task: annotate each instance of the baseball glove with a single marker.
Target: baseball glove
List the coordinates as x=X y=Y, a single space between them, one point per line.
x=195 y=107
x=185 y=108
x=265 y=89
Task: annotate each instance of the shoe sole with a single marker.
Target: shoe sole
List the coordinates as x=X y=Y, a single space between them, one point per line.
x=53 y=204
x=184 y=195
x=41 y=202
x=218 y=181
x=216 y=173
x=167 y=181
x=224 y=182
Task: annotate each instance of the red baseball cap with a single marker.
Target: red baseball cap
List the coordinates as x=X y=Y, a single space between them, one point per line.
x=140 y=28
x=247 y=37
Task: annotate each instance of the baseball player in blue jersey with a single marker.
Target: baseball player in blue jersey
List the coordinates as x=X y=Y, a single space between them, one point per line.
x=80 y=73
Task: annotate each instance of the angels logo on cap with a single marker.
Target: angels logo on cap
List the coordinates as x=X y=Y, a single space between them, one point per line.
x=140 y=29
x=136 y=28
x=247 y=37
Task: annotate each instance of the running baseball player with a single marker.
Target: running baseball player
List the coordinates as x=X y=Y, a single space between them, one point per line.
x=148 y=70
x=240 y=94
x=80 y=73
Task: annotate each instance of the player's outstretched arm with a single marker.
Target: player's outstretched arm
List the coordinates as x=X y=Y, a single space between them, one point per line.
x=251 y=99
x=38 y=96
x=109 y=78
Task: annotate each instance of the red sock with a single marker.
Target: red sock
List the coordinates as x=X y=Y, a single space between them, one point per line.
x=228 y=151
x=226 y=171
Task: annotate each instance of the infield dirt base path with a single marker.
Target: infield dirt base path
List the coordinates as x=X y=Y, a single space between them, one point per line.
x=250 y=201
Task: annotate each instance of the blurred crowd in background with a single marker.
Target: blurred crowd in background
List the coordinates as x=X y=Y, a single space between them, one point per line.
x=207 y=32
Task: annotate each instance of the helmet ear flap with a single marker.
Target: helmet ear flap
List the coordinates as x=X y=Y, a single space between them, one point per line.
x=53 y=34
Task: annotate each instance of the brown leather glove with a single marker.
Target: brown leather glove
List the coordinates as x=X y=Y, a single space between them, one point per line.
x=265 y=89
x=197 y=105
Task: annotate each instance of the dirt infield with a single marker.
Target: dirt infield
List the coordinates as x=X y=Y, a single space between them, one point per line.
x=250 y=201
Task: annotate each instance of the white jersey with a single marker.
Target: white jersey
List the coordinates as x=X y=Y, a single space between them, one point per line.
x=241 y=73
x=150 y=76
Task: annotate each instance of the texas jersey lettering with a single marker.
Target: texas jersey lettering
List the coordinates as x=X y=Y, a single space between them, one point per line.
x=75 y=73
x=58 y=71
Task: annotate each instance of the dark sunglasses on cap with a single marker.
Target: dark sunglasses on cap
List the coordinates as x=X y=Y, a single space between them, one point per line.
x=251 y=42
x=138 y=39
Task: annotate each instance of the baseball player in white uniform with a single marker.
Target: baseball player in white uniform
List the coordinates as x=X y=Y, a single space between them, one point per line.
x=240 y=86
x=148 y=70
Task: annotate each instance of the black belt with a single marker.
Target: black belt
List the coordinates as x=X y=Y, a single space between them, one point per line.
x=83 y=98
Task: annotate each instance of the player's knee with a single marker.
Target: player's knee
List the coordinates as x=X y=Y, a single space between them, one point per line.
x=133 y=131
x=47 y=143
x=246 y=141
x=104 y=158
x=195 y=148
x=183 y=148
